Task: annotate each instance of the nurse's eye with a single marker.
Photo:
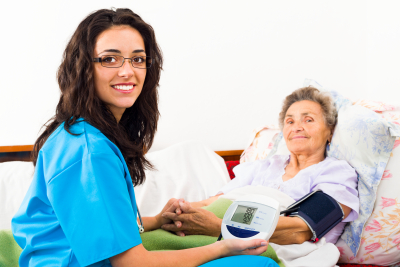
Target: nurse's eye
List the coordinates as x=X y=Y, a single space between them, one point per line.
x=111 y=61
x=139 y=59
x=108 y=59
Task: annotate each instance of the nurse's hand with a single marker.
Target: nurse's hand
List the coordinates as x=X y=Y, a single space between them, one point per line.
x=192 y=221
x=171 y=206
x=244 y=247
x=155 y=222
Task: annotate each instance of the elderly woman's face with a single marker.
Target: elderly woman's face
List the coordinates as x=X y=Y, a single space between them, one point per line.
x=305 y=130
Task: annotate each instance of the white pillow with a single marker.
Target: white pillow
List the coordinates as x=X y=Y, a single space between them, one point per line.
x=186 y=170
x=15 y=178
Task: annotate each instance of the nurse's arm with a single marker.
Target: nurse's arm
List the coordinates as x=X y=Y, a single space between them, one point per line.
x=139 y=256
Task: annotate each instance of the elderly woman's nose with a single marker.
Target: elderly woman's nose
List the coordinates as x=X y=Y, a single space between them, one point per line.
x=297 y=126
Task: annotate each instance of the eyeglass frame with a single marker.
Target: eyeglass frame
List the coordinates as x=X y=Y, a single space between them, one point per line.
x=98 y=59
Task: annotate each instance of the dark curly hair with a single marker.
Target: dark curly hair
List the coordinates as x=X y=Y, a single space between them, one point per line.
x=134 y=134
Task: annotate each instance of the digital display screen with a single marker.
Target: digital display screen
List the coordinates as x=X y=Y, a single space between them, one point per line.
x=243 y=214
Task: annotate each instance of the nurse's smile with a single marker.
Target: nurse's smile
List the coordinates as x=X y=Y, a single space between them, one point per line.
x=124 y=87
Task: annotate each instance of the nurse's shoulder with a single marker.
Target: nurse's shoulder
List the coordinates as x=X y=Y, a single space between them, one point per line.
x=63 y=149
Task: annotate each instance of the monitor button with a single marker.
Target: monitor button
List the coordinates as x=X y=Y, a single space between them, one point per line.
x=242 y=233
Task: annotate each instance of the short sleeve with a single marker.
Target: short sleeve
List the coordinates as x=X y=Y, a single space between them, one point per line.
x=245 y=173
x=339 y=180
x=94 y=209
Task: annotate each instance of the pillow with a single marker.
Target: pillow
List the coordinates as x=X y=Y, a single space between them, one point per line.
x=186 y=170
x=380 y=240
x=260 y=143
x=15 y=178
x=365 y=140
x=377 y=106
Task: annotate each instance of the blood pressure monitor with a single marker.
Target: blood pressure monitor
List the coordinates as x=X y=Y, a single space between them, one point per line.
x=251 y=217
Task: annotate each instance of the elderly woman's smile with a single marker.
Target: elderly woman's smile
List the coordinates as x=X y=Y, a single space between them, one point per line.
x=305 y=130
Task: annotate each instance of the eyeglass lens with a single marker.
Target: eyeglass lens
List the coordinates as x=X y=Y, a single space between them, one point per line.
x=140 y=62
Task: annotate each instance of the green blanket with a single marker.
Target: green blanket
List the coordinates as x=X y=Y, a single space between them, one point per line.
x=9 y=249
x=163 y=240
x=154 y=240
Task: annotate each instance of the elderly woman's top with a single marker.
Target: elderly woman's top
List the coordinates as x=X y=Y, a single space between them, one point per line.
x=334 y=177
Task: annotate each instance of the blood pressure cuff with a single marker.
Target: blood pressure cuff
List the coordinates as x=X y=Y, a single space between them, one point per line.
x=319 y=211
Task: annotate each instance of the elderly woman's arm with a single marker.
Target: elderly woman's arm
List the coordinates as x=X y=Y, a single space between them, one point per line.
x=197 y=221
x=205 y=202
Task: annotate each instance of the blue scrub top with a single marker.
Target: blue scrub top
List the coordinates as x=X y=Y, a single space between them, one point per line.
x=80 y=209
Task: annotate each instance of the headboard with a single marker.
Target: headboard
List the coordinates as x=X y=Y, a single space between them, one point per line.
x=15 y=153
x=230 y=155
x=23 y=153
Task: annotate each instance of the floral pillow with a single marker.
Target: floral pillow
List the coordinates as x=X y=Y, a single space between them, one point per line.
x=380 y=239
x=260 y=143
x=365 y=140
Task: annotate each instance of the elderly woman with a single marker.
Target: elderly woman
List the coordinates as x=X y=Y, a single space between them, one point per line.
x=307 y=120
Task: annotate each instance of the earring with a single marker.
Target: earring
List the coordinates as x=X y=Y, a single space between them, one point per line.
x=328 y=146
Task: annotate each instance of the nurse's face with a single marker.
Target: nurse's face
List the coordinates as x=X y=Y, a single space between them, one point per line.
x=119 y=88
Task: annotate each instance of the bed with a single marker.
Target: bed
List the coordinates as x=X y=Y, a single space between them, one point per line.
x=231 y=158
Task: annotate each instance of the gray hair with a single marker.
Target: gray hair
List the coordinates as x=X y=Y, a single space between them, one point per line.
x=312 y=94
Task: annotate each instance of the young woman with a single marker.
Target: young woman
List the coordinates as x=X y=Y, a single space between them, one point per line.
x=80 y=209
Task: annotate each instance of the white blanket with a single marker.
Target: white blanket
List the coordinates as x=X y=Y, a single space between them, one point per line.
x=15 y=178
x=308 y=254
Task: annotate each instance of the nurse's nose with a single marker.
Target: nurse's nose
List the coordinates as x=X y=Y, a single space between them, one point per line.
x=126 y=70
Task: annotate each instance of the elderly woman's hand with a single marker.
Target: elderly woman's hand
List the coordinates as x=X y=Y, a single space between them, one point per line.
x=171 y=206
x=192 y=221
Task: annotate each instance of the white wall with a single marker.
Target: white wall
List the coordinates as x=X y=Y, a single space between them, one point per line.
x=228 y=64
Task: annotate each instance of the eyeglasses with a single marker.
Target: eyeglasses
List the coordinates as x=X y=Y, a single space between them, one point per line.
x=139 y=62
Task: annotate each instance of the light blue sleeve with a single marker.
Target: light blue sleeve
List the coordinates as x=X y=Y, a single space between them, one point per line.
x=242 y=260
x=93 y=206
